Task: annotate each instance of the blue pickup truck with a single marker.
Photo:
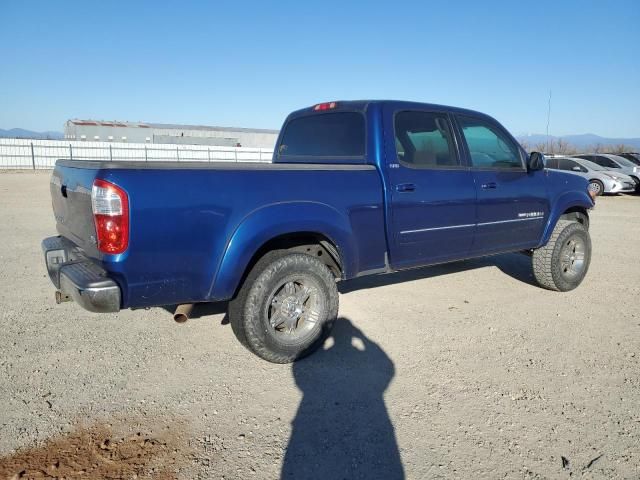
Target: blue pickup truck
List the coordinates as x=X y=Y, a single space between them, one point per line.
x=355 y=188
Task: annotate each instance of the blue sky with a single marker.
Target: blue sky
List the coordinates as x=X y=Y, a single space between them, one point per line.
x=239 y=63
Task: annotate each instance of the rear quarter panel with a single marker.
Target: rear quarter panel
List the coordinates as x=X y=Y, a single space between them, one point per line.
x=193 y=232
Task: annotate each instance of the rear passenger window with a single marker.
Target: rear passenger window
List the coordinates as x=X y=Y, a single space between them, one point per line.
x=489 y=147
x=424 y=140
x=570 y=165
x=339 y=134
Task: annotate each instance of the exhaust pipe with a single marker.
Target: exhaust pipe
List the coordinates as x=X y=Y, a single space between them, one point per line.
x=61 y=297
x=182 y=312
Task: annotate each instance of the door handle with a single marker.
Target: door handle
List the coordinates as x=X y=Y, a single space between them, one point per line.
x=489 y=185
x=405 y=187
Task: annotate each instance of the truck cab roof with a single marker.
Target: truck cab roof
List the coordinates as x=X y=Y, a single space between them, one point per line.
x=363 y=105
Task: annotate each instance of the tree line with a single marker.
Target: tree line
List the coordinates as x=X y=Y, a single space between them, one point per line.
x=559 y=146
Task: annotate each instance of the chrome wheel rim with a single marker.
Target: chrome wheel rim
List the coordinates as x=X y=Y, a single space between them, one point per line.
x=572 y=257
x=294 y=309
x=595 y=187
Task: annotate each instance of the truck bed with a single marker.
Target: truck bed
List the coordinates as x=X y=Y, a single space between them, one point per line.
x=184 y=216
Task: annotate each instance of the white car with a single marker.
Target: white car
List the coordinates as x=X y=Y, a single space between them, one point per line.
x=600 y=179
x=614 y=163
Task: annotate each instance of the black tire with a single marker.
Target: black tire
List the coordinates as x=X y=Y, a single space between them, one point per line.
x=264 y=296
x=637 y=182
x=563 y=262
x=596 y=186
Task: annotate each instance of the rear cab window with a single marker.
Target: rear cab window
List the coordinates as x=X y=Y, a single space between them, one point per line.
x=335 y=135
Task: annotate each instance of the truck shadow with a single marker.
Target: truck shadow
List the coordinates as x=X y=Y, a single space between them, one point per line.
x=342 y=428
x=515 y=265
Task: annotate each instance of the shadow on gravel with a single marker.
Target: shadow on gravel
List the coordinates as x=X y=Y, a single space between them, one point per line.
x=99 y=452
x=342 y=429
x=516 y=265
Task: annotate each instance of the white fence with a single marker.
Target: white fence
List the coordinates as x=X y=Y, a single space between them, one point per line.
x=20 y=154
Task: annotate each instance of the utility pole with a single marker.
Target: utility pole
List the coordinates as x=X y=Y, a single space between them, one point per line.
x=548 y=121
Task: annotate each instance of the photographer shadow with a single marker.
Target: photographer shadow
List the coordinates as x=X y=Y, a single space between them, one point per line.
x=342 y=429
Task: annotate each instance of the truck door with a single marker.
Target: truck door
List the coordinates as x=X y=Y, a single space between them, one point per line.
x=512 y=205
x=431 y=191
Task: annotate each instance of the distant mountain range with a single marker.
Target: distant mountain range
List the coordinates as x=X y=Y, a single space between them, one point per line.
x=22 y=133
x=579 y=141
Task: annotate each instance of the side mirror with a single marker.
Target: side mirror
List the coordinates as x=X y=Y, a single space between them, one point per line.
x=535 y=161
x=576 y=169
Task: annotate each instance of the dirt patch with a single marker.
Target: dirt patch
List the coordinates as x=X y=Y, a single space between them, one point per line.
x=101 y=451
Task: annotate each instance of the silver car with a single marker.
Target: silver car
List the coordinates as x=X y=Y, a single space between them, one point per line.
x=600 y=179
x=614 y=163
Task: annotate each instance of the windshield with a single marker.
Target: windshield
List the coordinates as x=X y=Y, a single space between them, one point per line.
x=591 y=165
x=624 y=161
x=632 y=158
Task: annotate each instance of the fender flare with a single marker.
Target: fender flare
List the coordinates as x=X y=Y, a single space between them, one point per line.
x=272 y=221
x=564 y=202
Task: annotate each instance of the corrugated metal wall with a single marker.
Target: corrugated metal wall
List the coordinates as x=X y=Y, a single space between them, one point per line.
x=152 y=134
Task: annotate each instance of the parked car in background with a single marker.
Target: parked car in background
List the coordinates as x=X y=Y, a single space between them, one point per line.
x=615 y=163
x=600 y=179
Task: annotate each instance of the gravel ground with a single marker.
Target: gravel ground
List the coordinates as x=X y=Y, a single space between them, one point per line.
x=459 y=371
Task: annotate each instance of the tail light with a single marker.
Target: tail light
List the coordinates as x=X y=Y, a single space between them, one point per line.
x=110 y=205
x=325 y=106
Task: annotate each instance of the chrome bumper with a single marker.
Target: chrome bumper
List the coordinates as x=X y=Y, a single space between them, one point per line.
x=78 y=278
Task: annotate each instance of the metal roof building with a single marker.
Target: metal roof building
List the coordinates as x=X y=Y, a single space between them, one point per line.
x=141 y=132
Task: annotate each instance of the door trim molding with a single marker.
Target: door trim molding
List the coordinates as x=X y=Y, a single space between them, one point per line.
x=471 y=225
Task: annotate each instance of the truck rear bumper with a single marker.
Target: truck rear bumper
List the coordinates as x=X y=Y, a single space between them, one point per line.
x=78 y=278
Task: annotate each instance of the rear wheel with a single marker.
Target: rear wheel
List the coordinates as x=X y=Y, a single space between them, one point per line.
x=286 y=307
x=563 y=262
x=596 y=187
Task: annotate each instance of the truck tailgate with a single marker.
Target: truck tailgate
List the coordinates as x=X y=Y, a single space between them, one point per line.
x=71 y=201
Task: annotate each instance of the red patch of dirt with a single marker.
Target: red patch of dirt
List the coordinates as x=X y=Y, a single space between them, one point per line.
x=100 y=452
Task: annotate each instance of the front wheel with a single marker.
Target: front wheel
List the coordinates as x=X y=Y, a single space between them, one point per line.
x=563 y=262
x=286 y=307
x=596 y=187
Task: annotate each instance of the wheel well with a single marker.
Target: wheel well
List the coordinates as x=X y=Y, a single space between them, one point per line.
x=314 y=244
x=577 y=214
